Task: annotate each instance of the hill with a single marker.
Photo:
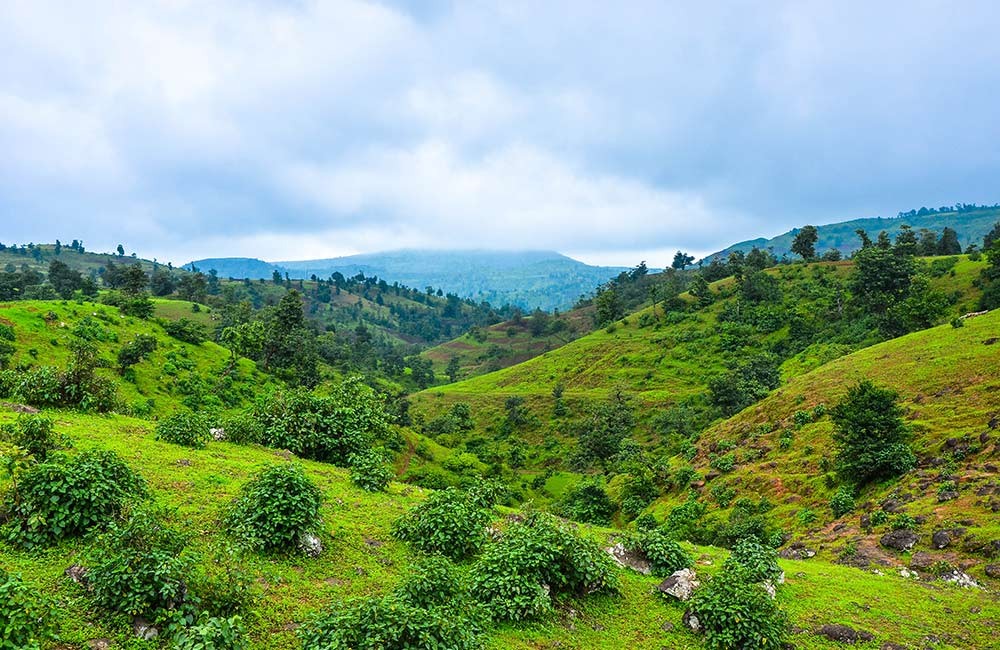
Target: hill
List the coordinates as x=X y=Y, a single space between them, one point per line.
x=970 y=225
x=363 y=558
x=527 y=279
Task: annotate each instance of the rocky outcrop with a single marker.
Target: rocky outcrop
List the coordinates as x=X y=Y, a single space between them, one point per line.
x=630 y=558
x=900 y=540
x=680 y=584
x=844 y=634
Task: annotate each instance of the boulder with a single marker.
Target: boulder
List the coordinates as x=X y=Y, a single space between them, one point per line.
x=680 y=584
x=218 y=434
x=889 y=645
x=630 y=558
x=311 y=545
x=921 y=561
x=143 y=629
x=691 y=621
x=960 y=578
x=844 y=633
x=77 y=574
x=797 y=551
x=900 y=540
x=941 y=539
x=993 y=570
x=947 y=495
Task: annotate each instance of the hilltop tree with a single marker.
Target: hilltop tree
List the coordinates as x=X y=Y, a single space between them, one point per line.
x=862 y=234
x=681 y=260
x=872 y=439
x=804 y=243
x=948 y=244
x=64 y=280
x=121 y=250
x=453 y=369
x=906 y=241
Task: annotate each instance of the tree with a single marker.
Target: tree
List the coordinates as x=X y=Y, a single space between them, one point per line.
x=906 y=241
x=872 y=439
x=121 y=250
x=881 y=278
x=453 y=369
x=948 y=244
x=681 y=260
x=992 y=236
x=133 y=279
x=609 y=306
x=866 y=241
x=804 y=244
x=601 y=436
x=161 y=283
x=63 y=279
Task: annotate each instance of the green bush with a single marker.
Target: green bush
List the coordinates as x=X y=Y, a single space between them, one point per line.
x=275 y=509
x=724 y=464
x=684 y=521
x=903 y=521
x=243 y=429
x=535 y=561
x=64 y=496
x=370 y=470
x=139 y=567
x=450 y=522
x=135 y=351
x=872 y=439
x=587 y=502
x=185 y=428
x=806 y=516
x=212 y=633
x=432 y=581
x=33 y=434
x=736 y=612
x=760 y=562
x=842 y=502
x=26 y=617
x=185 y=330
x=664 y=554
x=879 y=518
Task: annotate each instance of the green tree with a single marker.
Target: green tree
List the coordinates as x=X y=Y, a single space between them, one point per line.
x=121 y=250
x=453 y=369
x=681 y=260
x=64 y=280
x=804 y=244
x=872 y=439
x=948 y=244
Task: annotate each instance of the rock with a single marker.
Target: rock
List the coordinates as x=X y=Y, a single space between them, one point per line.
x=947 y=495
x=680 y=584
x=77 y=574
x=889 y=645
x=941 y=539
x=99 y=644
x=921 y=561
x=909 y=575
x=771 y=590
x=632 y=559
x=891 y=505
x=993 y=570
x=667 y=627
x=218 y=434
x=691 y=621
x=844 y=634
x=144 y=629
x=960 y=578
x=797 y=551
x=310 y=545
x=900 y=540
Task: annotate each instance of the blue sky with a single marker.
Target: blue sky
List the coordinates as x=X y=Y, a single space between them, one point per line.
x=611 y=131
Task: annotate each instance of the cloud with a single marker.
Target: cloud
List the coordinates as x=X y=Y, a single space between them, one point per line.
x=279 y=129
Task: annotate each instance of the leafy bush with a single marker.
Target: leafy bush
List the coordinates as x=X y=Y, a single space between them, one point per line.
x=33 y=434
x=587 y=502
x=535 y=561
x=879 y=518
x=449 y=522
x=135 y=351
x=275 y=509
x=842 y=502
x=185 y=330
x=243 y=429
x=26 y=617
x=903 y=521
x=664 y=554
x=723 y=495
x=212 y=633
x=724 y=463
x=684 y=521
x=77 y=386
x=737 y=612
x=139 y=567
x=872 y=439
x=64 y=497
x=370 y=470
x=430 y=582
x=760 y=562
x=806 y=516
x=185 y=428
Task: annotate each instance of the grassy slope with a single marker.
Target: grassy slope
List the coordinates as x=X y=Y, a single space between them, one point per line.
x=949 y=383
x=361 y=558
x=48 y=338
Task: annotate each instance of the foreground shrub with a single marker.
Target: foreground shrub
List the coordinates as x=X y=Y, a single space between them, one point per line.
x=759 y=562
x=68 y=496
x=370 y=470
x=450 y=522
x=734 y=611
x=664 y=554
x=26 y=617
x=431 y=581
x=842 y=501
x=275 y=509
x=535 y=561
x=588 y=502
x=139 y=567
x=212 y=633
x=33 y=434
x=185 y=428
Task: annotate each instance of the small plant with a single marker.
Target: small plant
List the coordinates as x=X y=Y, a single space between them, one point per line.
x=903 y=521
x=588 y=502
x=684 y=476
x=275 y=509
x=879 y=518
x=785 y=441
x=431 y=582
x=957 y=322
x=723 y=495
x=243 y=429
x=370 y=470
x=185 y=428
x=212 y=633
x=818 y=411
x=760 y=562
x=736 y=611
x=26 y=617
x=941 y=567
x=802 y=418
x=449 y=522
x=842 y=501
x=33 y=434
x=806 y=516
x=664 y=554
x=135 y=351
x=724 y=464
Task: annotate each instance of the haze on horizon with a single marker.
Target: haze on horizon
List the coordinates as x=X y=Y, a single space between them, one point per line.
x=295 y=130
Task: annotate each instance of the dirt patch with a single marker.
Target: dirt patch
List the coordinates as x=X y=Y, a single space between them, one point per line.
x=18 y=408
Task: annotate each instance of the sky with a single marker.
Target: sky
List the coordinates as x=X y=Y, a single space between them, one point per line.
x=613 y=132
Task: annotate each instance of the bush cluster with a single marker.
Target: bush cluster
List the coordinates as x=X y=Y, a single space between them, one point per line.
x=588 y=502
x=535 y=561
x=185 y=428
x=737 y=612
x=664 y=554
x=450 y=522
x=275 y=509
x=212 y=633
x=842 y=501
x=185 y=330
x=370 y=470
x=26 y=617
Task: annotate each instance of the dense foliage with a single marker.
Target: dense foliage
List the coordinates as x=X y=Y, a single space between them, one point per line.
x=451 y=522
x=26 y=617
x=185 y=428
x=275 y=509
x=664 y=554
x=872 y=439
x=736 y=611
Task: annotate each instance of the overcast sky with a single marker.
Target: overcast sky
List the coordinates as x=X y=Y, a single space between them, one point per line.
x=611 y=131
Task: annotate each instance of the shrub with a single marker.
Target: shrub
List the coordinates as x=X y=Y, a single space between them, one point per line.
x=760 y=562
x=879 y=518
x=664 y=554
x=185 y=330
x=139 y=567
x=33 y=434
x=684 y=476
x=588 y=502
x=842 y=502
x=243 y=429
x=806 y=516
x=737 y=612
x=684 y=521
x=724 y=464
x=449 y=522
x=135 y=351
x=212 y=633
x=903 y=521
x=185 y=428
x=370 y=470
x=64 y=497
x=26 y=617
x=723 y=495
x=535 y=561
x=275 y=509
x=432 y=581
x=872 y=439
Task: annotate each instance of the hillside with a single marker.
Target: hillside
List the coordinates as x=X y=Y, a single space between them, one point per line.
x=970 y=226
x=362 y=558
x=527 y=279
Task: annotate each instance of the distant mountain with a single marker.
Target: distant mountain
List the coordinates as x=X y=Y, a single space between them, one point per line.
x=971 y=226
x=527 y=279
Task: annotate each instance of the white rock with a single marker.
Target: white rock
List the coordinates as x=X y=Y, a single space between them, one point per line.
x=310 y=545
x=961 y=579
x=680 y=584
